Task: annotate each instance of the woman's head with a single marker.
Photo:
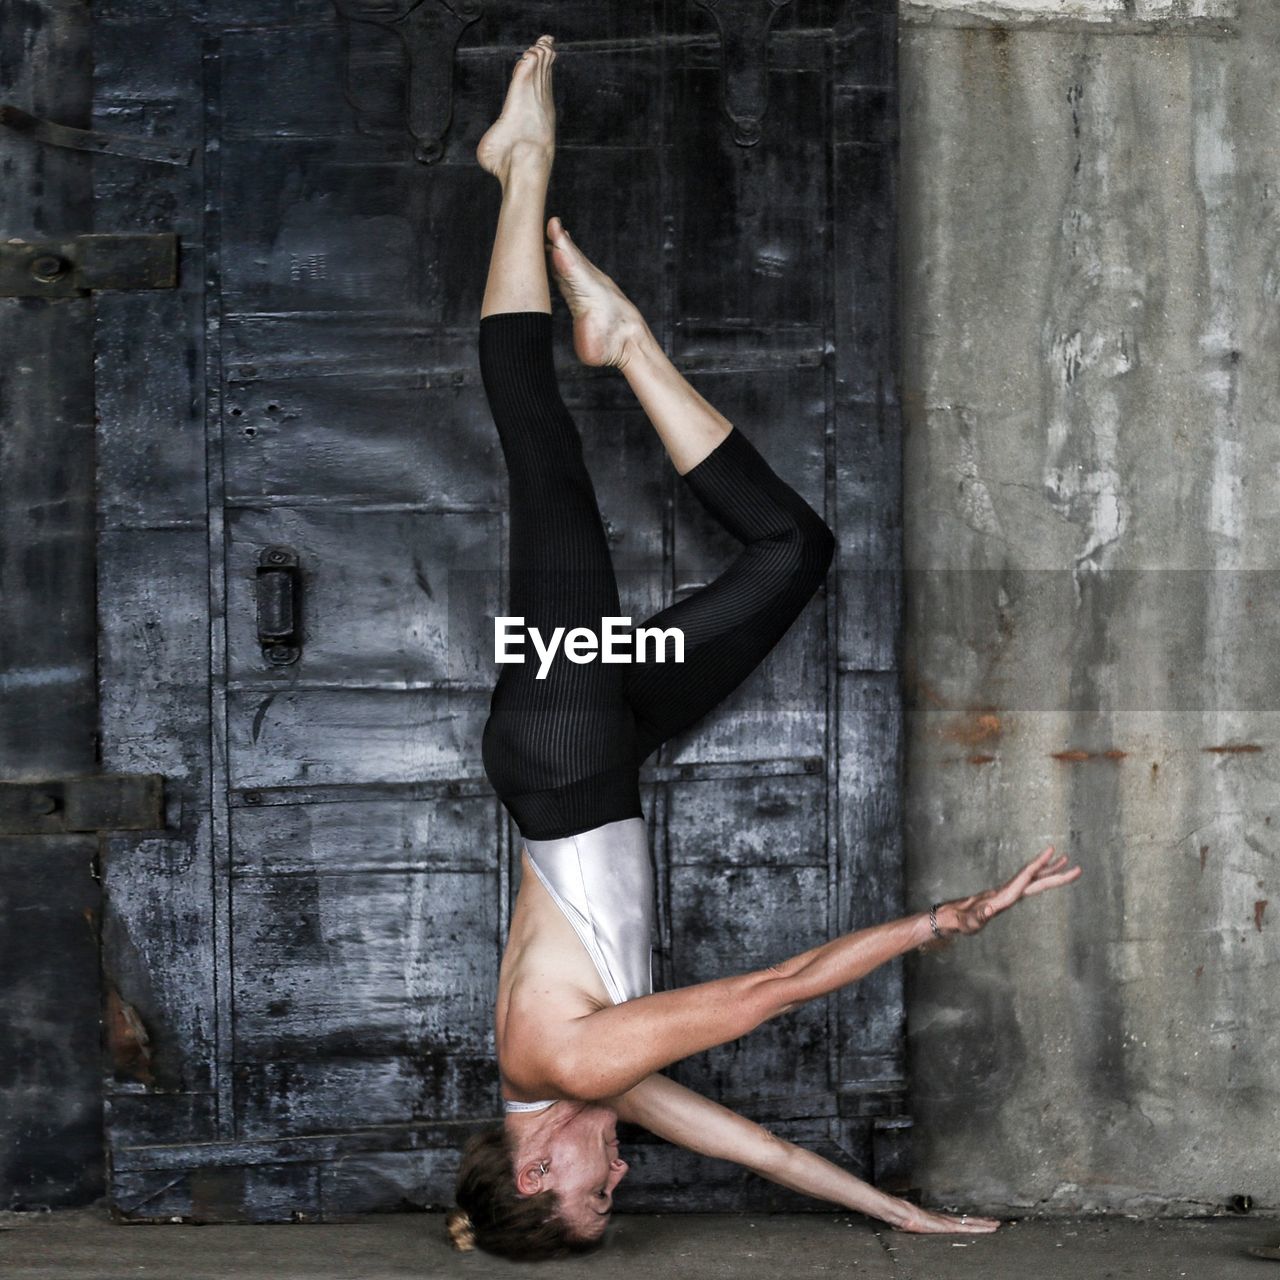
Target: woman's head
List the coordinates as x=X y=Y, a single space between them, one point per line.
x=539 y=1187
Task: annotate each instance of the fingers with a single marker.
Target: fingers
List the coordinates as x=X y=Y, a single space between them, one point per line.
x=1034 y=865
x=1048 y=866
x=926 y=1222
x=1052 y=882
x=1043 y=872
x=1027 y=874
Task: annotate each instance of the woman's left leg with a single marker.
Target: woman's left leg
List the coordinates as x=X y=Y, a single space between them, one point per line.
x=519 y=149
x=560 y=750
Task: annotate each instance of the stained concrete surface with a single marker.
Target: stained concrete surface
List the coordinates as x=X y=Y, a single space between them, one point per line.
x=1090 y=258
x=86 y=1243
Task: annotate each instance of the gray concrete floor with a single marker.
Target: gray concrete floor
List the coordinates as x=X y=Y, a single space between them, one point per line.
x=87 y=1244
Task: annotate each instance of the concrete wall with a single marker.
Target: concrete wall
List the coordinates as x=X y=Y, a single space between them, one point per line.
x=1090 y=266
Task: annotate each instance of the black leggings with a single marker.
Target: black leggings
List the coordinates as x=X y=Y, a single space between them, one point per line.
x=564 y=752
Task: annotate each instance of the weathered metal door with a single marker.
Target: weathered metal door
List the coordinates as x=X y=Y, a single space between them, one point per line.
x=302 y=514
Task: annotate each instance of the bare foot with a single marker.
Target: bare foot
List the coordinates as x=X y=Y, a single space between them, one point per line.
x=606 y=323
x=527 y=124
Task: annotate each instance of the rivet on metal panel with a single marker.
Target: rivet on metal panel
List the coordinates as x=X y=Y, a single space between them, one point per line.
x=48 y=267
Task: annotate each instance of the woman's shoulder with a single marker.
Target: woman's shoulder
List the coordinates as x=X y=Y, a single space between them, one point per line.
x=535 y=1029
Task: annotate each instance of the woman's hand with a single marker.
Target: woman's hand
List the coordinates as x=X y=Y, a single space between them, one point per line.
x=921 y=1221
x=968 y=915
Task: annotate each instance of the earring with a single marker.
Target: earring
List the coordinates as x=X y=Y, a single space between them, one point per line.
x=542 y=1168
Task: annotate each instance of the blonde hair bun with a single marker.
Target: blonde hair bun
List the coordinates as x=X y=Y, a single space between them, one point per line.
x=461 y=1232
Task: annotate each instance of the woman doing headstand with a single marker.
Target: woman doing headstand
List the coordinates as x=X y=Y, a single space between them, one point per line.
x=581 y=1037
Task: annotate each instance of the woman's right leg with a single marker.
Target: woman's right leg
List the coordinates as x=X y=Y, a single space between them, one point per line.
x=730 y=624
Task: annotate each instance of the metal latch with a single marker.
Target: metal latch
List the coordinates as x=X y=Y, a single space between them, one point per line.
x=280 y=605
x=69 y=267
x=101 y=802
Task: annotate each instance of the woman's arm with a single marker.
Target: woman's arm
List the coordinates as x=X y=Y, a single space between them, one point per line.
x=689 y=1120
x=604 y=1053
x=610 y=1050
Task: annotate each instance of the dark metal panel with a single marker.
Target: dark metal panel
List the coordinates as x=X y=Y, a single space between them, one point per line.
x=233 y=1193
x=871 y=1011
x=151 y=1117
x=50 y=1113
x=283 y=1097
x=159 y=952
x=365 y=1184
x=864 y=49
x=50 y=1094
x=387 y=597
x=359 y=834
x=280 y=83
x=158 y=939
x=407 y=1166
x=47 y=698
x=358 y=963
x=367 y=908
x=865 y=245
x=149 y=348
x=229 y=12
x=151 y=445
x=354 y=735
x=314 y=226
x=747 y=884
x=868 y=566
x=748 y=227
x=158 y=965
x=154 y=639
x=338 y=434
x=326 y=226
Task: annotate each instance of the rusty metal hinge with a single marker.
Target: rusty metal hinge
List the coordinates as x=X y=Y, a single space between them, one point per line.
x=100 y=802
x=70 y=266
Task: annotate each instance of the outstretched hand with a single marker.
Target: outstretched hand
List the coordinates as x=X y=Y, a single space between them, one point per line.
x=919 y=1221
x=969 y=915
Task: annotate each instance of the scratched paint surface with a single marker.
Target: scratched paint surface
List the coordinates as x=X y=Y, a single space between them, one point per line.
x=1090 y=320
x=307 y=962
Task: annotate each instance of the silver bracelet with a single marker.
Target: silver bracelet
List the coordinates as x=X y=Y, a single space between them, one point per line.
x=933 y=919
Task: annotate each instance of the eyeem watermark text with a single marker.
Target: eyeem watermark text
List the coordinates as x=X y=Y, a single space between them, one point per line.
x=581 y=644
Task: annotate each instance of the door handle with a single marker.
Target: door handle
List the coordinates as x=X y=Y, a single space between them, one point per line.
x=279 y=605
